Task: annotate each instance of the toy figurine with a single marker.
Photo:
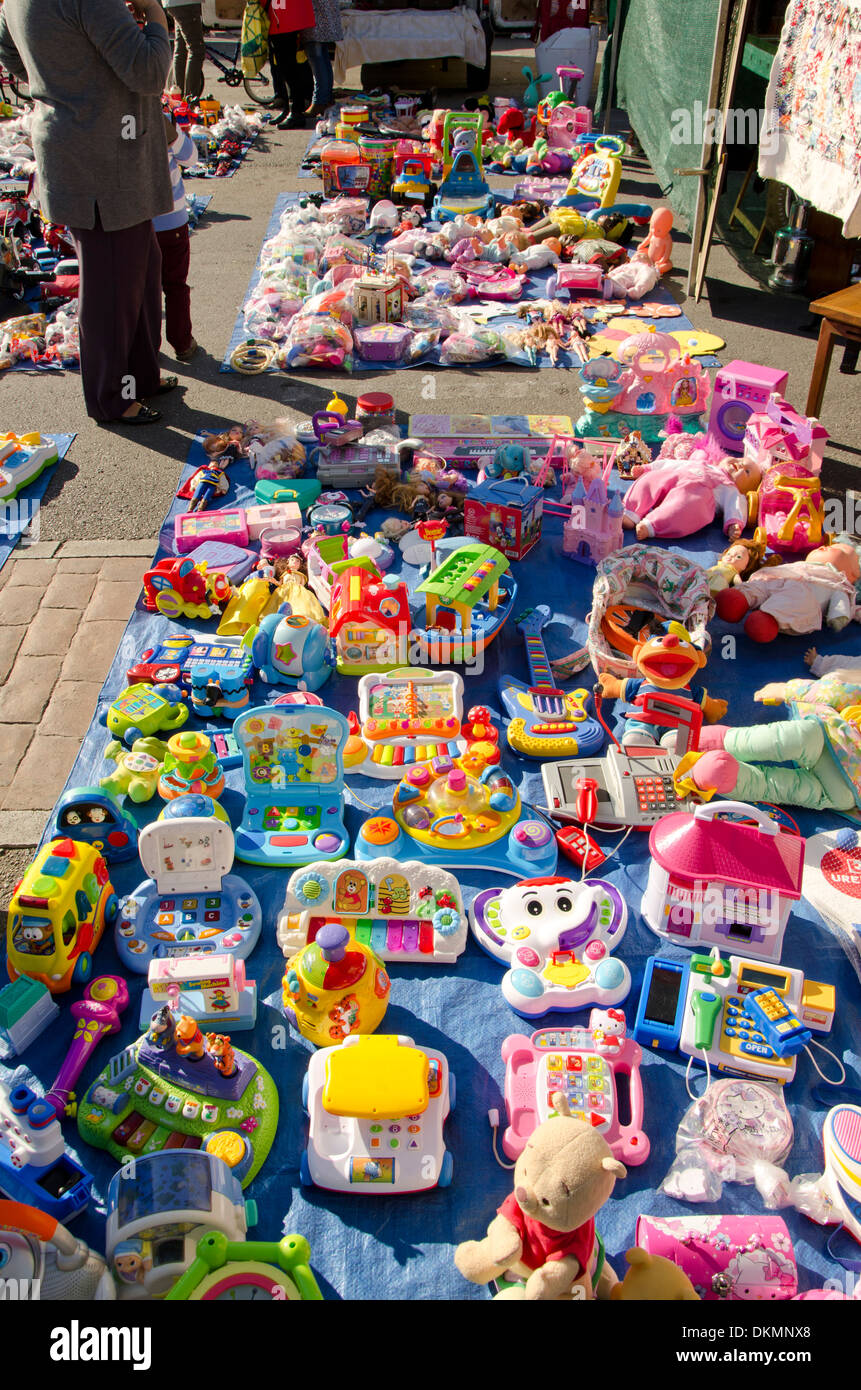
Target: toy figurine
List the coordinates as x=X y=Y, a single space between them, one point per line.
x=654 y=1279
x=658 y=245
x=665 y=662
x=219 y=1048
x=189 y=1040
x=162 y=1029
x=542 y=1242
x=209 y=483
x=739 y=561
x=632 y=455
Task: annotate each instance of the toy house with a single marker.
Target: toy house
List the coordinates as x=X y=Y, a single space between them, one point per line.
x=656 y=382
x=779 y=433
x=369 y=621
x=378 y=297
x=505 y=513
x=594 y=526
x=723 y=883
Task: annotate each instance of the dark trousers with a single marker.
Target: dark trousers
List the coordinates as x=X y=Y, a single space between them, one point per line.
x=119 y=316
x=189 y=50
x=286 y=78
x=175 y=260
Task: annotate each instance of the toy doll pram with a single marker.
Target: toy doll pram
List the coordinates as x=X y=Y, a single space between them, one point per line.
x=644 y=580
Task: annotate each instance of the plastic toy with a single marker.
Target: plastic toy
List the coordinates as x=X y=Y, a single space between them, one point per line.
x=741 y=389
x=593 y=528
x=790 y=509
x=289 y=649
x=777 y=433
x=294 y=785
x=666 y=664
x=190 y=768
x=718 y=882
x=97 y=1015
x=329 y=517
x=716 y=1029
x=467 y=601
x=468 y=439
x=443 y=815
x=191 y=904
x=542 y=1242
x=27 y=1008
x=137 y=768
x=57 y=915
x=463 y=188
x=250 y=603
x=405 y=912
x=225 y=1270
x=334 y=986
x=331 y=426
x=235 y=525
x=145 y=709
x=595 y=179
x=545 y=722
x=412 y=181
x=213 y=990
x=158 y=1207
x=657 y=382
x=505 y=514
x=377 y=298
x=725 y=1257
x=218 y=673
x=658 y=245
x=409 y=716
x=676 y=497
x=355 y=465
x=351 y=1091
x=205 y=485
x=179 y=589
x=561 y=960
x=369 y=621
x=22 y=459
x=35 y=1166
x=174 y=1088
x=38 y=1253
x=89 y=815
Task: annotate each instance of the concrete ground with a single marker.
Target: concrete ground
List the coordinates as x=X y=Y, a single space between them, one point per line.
x=63 y=605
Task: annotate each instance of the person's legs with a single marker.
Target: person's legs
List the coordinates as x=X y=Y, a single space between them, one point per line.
x=190 y=42
x=175 y=260
x=116 y=292
x=282 y=49
x=278 y=77
x=180 y=59
x=321 y=66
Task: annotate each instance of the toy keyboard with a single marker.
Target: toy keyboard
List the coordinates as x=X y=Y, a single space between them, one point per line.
x=400 y=755
x=546 y=722
x=597 y=1069
x=179 y=924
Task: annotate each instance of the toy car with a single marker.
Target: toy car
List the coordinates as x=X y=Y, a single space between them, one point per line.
x=145 y=709
x=57 y=915
x=91 y=816
x=179 y=589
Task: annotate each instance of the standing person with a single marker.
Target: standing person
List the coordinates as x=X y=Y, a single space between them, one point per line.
x=96 y=80
x=189 y=49
x=286 y=18
x=327 y=29
x=173 y=239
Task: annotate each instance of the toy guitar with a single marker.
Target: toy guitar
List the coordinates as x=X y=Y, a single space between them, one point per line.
x=545 y=722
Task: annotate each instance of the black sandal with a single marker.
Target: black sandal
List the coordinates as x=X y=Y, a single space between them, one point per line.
x=145 y=416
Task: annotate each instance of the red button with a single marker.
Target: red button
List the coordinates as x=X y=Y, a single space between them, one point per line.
x=288 y=840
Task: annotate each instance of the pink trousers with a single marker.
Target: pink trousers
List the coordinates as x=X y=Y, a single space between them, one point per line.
x=673 y=507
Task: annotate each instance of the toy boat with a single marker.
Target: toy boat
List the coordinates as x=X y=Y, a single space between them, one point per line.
x=468 y=600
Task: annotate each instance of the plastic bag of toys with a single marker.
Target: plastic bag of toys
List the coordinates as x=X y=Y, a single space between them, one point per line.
x=315 y=340
x=471 y=343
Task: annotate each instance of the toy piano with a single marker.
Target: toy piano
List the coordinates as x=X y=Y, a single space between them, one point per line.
x=596 y=1068
x=546 y=722
x=292 y=757
x=406 y=717
x=406 y=912
x=191 y=904
x=469 y=439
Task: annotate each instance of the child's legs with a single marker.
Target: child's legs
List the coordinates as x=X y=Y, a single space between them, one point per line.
x=798 y=741
x=175 y=259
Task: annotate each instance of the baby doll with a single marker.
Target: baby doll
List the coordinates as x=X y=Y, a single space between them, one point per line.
x=658 y=245
x=739 y=561
x=635 y=278
x=681 y=496
x=797 y=597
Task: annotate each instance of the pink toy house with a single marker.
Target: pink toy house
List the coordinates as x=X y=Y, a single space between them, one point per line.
x=659 y=380
x=723 y=883
x=778 y=432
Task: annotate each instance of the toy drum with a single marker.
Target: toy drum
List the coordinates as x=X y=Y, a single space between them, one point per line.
x=355 y=114
x=726 y=1257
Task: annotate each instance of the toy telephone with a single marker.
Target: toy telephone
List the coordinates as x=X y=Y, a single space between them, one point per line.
x=633 y=788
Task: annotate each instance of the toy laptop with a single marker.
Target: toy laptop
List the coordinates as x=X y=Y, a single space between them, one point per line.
x=406 y=912
x=377 y=1106
x=596 y=1068
x=406 y=717
x=190 y=904
x=556 y=935
x=292 y=761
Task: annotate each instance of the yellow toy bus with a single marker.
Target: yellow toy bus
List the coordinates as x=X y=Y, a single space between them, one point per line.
x=57 y=915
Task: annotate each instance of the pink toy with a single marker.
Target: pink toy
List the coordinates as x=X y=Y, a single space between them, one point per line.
x=237 y=525
x=576 y=280
x=725 y=1257
x=634 y=279
x=97 y=1015
x=790 y=509
x=566 y=124
x=492 y=282
x=778 y=432
x=659 y=380
x=594 y=528
x=658 y=244
x=741 y=389
x=680 y=496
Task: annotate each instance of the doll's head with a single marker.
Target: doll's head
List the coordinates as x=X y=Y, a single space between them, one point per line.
x=841 y=556
x=661 y=222
x=745 y=473
x=746 y=557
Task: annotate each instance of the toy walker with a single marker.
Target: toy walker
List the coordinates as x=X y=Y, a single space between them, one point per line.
x=191 y=904
x=556 y=935
x=377 y=1108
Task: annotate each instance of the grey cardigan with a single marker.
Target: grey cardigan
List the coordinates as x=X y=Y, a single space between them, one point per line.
x=98 y=133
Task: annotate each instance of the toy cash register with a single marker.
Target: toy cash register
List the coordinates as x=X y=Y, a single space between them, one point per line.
x=292 y=759
x=596 y=1068
x=377 y=1106
x=717 y=1026
x=191 y=904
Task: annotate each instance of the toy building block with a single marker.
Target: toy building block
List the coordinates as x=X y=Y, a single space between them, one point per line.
x=26 y=1009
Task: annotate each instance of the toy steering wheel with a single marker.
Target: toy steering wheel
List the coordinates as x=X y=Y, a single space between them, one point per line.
x=613 y=144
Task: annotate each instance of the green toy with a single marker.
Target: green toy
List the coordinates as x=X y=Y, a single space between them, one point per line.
x=231 y=1270
x=137 y=768
x=145 y=709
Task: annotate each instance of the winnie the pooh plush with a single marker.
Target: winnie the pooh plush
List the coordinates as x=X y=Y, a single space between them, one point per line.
x=652 y=1278
x=543 y=1237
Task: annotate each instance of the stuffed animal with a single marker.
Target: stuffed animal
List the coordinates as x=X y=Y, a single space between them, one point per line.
x=797 y=597
x=653 y=1279
x=543 y=1236
x=667 y=662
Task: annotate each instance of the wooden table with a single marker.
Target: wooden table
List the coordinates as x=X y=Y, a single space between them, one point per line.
x=841 y=318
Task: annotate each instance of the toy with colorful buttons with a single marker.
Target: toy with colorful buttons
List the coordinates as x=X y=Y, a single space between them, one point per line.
x=443 y=815
x=191 y=904
x=190 y=768
x=409 y=717
x=137 y=769
x=35 y=1166
x=404 y=912
x=145 y=709
x=174 y=1088
x=88 y=814
x=557 y=936
x=591 y=1067
x=290 y=649
x=377 y=1107
x=334 y=987
x=58 y=914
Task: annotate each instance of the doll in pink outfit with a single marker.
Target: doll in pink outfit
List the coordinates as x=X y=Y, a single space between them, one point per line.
x=677 y=497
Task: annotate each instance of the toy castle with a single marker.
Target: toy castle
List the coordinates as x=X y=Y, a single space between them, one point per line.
x=594 y=526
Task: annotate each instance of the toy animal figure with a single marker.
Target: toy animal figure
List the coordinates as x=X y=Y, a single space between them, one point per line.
x=189 y=1039
x=219 y=1048
x=653 y=1279
x=797 y=597
x=543 y=1236
x=658 y=245
x=667 y=662
x=162 y=1029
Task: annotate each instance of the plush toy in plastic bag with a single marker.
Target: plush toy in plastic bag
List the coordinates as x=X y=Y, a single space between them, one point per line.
x=739 y=1131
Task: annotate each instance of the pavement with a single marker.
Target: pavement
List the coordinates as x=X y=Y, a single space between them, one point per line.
x=64 y=601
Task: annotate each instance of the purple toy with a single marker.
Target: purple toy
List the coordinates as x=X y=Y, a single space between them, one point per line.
x=97 y=1016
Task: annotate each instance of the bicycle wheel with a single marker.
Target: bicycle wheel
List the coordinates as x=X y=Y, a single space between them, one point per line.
x=261 y=88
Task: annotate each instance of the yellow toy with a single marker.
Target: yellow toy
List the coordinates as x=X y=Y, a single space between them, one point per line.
x=253 y=601
x=653 y=1279
x=57 y=915
x=330 y=991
